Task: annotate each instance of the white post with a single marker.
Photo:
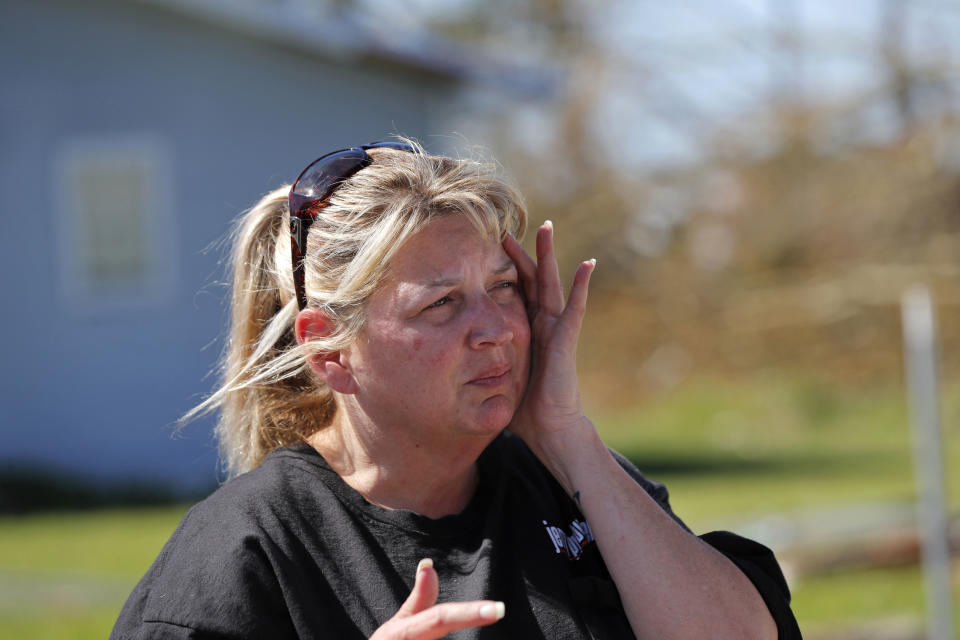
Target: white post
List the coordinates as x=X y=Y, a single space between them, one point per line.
x=919 y=332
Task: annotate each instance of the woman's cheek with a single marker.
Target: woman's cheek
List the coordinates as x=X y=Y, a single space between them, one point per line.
x=521 y=323
x=522 y=342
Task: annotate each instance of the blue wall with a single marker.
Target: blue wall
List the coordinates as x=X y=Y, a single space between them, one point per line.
x=97 y=390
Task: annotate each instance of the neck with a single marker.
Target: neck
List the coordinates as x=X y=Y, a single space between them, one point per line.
x=392 y=469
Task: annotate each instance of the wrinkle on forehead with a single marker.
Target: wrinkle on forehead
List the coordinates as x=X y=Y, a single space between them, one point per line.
x=439 y=256
x=450 y=282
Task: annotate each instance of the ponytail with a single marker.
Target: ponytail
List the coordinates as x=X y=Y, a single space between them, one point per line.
x=268 y=397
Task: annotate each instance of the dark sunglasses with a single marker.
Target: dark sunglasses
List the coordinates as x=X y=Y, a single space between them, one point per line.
x=310 y=192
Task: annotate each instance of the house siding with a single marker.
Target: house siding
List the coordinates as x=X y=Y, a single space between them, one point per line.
x=95 y=385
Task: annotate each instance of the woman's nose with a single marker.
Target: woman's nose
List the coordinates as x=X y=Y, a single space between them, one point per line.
x=490 y=326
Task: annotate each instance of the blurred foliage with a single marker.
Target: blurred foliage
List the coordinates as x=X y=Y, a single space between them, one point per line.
x=786 y=237
x=817 y=288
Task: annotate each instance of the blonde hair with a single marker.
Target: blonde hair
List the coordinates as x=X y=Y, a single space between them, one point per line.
x=268 y=396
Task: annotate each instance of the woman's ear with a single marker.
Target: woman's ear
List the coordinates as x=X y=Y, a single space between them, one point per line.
x=310 y=325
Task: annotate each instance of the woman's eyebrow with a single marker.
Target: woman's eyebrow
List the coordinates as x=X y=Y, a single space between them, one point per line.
x=507 y=265
x=446 y=282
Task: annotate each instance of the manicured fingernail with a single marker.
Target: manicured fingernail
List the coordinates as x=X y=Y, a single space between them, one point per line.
x=548 y=223
x=426 y=563
x=593 y=261
x=493 y=611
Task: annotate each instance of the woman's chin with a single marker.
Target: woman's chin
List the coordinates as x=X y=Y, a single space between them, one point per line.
x=494 y=415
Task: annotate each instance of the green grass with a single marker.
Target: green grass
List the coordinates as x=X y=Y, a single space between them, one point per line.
x=845 y=598
x=107 y=543
x=731 y=452
x=66 y=575
x=869 y=599
x=55 y=624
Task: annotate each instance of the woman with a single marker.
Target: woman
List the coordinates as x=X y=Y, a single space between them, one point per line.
x=370 y=377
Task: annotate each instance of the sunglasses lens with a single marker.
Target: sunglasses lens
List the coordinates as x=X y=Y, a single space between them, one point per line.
x=317 y=181
x=314 y=186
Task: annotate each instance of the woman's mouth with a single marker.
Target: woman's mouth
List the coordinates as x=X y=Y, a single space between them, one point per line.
x=493 y=377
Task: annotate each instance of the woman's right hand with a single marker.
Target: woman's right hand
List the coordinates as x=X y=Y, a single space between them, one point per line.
x=421 y=618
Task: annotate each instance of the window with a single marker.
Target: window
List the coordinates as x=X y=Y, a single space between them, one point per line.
x=116 y=225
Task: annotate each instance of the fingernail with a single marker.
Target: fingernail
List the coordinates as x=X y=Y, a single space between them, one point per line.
x=493 y=611
x=426 y=563
x=548 y=223
x=593 y=261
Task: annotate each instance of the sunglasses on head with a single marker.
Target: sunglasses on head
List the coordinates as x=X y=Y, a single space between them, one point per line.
x=310 y=194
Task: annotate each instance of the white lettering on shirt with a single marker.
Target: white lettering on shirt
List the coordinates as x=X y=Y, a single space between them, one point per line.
x=571 y=544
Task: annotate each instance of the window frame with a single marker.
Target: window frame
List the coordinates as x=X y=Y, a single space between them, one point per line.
x=80 y=288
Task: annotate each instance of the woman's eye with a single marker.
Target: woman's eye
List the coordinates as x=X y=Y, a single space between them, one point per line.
x=508 y=284
x=439 y=303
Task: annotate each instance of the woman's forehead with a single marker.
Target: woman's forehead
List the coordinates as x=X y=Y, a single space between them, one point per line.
x=449 y=242
x=445 y=253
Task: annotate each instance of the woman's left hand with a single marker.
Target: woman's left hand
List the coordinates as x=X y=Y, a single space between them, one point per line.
x=550 y=417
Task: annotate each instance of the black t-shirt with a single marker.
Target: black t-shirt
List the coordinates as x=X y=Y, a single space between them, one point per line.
x=289 y=550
